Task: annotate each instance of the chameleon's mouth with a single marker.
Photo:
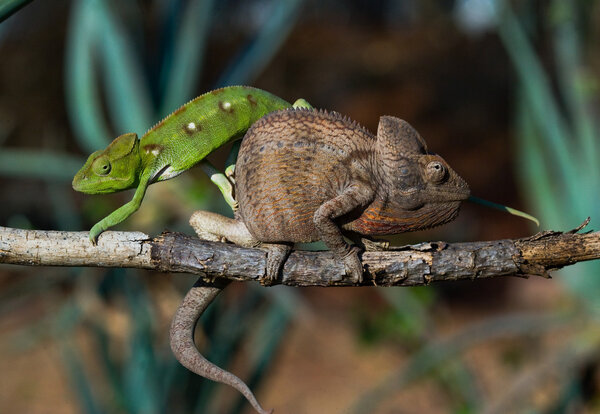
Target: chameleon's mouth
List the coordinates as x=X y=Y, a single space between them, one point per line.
x=83 y=184
x=462 y=194
x=78 y=180
x=456 y=194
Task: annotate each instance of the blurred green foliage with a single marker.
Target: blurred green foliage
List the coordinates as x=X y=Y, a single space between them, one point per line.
x=557 y=132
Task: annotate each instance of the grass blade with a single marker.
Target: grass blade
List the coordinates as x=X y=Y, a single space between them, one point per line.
x=129 y=99
x=47 y=166
x=535 y=176
x=573 y=83
x=186 y=62
x=84 y=105
x=537 y=92
x=251 y=61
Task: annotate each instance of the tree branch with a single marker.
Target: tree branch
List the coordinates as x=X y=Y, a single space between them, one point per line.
x=414 y=265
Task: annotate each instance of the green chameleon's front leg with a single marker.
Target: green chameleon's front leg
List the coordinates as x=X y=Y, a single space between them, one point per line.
x=122 y=212
x=224 y=182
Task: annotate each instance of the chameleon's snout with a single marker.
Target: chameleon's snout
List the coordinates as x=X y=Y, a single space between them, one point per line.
x=463 y=192
x=455 y=189
x=76 y=183
x=80 y=182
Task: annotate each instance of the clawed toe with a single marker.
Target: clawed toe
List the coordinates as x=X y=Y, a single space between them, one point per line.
x=353 y=265
x=276 y=256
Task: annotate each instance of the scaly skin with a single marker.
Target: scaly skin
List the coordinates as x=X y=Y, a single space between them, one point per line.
x=305 y=175
x=177 y=143
x=182 y=339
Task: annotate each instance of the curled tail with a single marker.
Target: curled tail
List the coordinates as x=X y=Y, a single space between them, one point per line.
x=182 y=339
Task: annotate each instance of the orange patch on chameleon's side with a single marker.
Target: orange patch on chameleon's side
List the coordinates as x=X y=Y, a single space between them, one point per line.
x=375 y=221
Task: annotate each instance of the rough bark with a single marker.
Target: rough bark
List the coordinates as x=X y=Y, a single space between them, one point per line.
x=413 y=265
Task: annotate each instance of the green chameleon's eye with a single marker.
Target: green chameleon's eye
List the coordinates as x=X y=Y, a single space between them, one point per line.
x=101 y=166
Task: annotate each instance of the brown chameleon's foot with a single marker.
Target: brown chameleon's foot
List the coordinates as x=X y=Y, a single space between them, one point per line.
x=276 y=255
x=353 y=265
x=374 y=245
x=368 y=244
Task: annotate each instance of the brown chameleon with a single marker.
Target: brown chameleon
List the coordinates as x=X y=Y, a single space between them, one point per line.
x=307 y=175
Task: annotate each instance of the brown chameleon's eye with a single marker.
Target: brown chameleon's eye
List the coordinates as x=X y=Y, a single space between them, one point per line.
x=101 y=166
x=436 y=172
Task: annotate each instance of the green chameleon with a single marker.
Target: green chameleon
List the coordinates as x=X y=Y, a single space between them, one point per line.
x=177 y=143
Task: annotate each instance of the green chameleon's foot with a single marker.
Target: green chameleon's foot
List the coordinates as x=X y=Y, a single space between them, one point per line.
x=230 y=173
x=94 y=233
x=223 y=183
x=302 y=103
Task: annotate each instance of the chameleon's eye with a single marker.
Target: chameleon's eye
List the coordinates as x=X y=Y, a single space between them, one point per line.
x=404 y=171
x=101 y=166
x=436 y=172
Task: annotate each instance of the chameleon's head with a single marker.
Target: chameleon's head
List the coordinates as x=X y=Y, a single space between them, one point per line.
x=420 y=185
x=110 y=170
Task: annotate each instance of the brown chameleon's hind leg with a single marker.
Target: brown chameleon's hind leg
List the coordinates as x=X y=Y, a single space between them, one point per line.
x=355 y=196
x=182 y=339
x=215 y=227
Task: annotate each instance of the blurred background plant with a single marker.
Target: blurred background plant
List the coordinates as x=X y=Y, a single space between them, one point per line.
x=507 y=95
